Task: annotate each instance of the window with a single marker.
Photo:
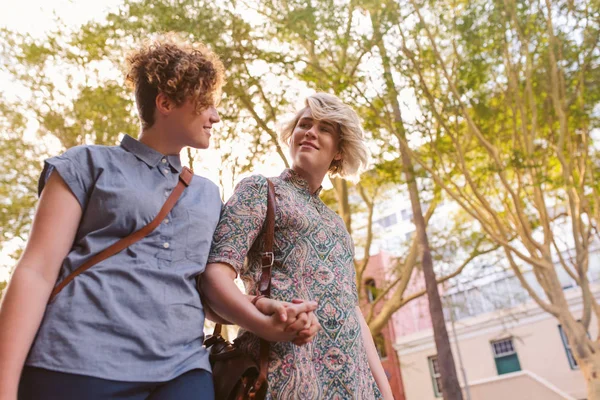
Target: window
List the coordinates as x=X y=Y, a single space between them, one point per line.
x=388 y=221
x=436 y=377
x=505 y=356
x=380 y=346
x=408 y=237
x=567 y=346
x=371 y=290
x=406 y=214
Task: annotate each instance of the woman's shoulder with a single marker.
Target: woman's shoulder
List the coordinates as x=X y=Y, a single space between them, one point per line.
x=252 y=183
x=207 y=187
x=88 y=152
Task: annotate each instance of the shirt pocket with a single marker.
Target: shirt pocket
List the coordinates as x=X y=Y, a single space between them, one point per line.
x=201 y=227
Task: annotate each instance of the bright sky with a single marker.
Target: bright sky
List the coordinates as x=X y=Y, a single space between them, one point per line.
x=37 y=16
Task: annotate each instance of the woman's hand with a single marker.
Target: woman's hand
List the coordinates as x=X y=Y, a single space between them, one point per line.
x=302 y=325
x=309 y=331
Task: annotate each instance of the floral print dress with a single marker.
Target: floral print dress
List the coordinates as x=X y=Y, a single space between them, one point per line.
x=313 y=261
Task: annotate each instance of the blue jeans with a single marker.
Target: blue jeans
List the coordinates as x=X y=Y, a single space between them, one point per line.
x=42 y=384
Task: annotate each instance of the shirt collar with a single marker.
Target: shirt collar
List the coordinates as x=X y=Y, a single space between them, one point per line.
x=148 y=154
x=289 y=175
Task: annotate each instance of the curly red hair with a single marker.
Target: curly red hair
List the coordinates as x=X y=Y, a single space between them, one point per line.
x=180 y=70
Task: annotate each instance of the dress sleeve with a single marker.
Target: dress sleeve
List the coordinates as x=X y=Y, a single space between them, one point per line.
x=242 y=219
x=75 y=167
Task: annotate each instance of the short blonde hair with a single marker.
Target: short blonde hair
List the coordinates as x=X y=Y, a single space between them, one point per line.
x=355 y=154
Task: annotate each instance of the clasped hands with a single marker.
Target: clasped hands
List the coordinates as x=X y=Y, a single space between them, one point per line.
x=293 y=322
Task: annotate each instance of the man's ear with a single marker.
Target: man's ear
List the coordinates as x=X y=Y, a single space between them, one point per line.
x=163 y=104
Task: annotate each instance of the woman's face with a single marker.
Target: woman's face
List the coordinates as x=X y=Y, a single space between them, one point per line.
x=193 y=128
x=315 y=143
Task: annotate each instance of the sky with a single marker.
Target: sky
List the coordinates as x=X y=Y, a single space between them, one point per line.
x=37 y=16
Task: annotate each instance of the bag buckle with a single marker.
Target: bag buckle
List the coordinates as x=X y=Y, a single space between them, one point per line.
x=271 y=258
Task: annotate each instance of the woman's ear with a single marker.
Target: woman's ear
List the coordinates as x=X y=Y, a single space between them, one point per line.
x=164 y=105
x=338 y=156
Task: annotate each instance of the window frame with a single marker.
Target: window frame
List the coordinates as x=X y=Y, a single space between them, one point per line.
x=371 y=290
x=379 y=341
x=569 y=352
x=500 y=355
x=436 y=377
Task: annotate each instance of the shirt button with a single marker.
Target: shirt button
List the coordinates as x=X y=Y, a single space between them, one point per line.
x=167 y=193
x=166 y=245
x=166 y=220
x=164 y=161
x=166 y=171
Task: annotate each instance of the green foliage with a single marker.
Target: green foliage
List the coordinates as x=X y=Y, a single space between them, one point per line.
x=18 y=174
x=496 y=57
x=332 y=46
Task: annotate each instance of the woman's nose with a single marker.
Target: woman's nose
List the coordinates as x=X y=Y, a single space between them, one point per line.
x=214 y=115
x=311 y=132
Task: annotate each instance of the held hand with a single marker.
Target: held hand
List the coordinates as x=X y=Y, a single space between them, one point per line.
x=309 y=331
x=269 y=306
x=304 y=325
x=288 y=312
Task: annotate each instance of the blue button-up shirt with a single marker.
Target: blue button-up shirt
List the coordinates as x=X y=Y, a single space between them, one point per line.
x=135 y=316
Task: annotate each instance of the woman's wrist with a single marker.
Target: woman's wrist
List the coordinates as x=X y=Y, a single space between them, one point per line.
x=257 y=298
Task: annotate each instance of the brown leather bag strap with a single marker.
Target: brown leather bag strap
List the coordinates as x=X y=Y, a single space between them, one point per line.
x=267 y=255
x=185 y=178
x=265 y=284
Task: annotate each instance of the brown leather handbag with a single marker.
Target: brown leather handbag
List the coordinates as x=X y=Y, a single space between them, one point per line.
x=185 y=178
x=236 y=375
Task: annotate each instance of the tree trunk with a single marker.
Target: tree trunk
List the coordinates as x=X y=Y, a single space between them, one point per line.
x=341 y=193
x=450 y=386
x=586 y=352
x=590 y=368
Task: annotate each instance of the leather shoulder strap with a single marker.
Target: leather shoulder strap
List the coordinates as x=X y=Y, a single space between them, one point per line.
x=267 y=255
x=265 y=286
x=185 y=178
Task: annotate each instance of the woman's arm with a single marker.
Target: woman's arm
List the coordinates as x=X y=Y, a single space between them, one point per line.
x=226 y=300
x=53 y=231
x=216 y=318
x=374 y=362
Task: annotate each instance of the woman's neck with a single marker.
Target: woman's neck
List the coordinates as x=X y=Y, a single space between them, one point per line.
x=159 y=140
x=314 y=179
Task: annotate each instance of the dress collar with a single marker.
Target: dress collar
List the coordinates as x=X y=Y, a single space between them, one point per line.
x=289 y=175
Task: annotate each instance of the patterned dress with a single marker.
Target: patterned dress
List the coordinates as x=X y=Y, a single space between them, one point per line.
x=313 y=261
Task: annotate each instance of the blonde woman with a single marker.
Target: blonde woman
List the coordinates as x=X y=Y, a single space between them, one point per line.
x=313 y=261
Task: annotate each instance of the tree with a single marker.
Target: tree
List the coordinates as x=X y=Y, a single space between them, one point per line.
x=508 y=91
x=18 y=175
x=380 y=23
x=265 y=68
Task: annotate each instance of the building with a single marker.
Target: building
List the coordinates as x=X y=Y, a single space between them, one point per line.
x=374 y=278
x=519 y=353
x=503 y=342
